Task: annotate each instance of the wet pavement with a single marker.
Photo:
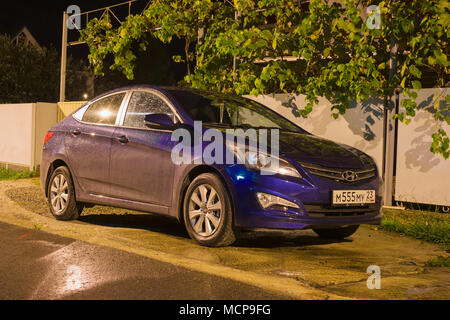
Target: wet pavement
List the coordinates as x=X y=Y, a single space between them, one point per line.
x=295 y=264
x=38 y=265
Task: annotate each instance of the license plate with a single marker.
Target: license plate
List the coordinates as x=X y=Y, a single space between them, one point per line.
x=353 y=196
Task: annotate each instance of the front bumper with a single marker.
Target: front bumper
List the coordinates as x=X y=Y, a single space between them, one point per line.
x=311 y=194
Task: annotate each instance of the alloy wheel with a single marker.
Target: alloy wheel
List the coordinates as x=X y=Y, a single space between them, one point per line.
x=59 y=194
x=205 y=210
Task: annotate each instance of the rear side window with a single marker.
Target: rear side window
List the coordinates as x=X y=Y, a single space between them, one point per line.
x=141 y=104
x=104 y=111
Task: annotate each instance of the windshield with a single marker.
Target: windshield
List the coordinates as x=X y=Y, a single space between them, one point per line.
x=229 y=111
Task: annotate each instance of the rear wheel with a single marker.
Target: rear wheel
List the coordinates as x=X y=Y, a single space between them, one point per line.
x=61 y=196
x=337 y=233
x=208 y=215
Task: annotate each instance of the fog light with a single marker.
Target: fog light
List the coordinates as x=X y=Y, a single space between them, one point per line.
x=268 y=200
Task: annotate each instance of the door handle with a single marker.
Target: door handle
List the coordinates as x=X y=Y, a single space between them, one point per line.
x=76 y=132
x=122 y=139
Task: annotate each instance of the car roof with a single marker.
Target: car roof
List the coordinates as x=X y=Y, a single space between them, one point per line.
x=164 y=89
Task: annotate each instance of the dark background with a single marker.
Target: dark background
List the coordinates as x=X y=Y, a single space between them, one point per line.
x=44 y=21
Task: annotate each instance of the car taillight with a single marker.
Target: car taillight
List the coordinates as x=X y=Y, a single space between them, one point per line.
x=48 y=136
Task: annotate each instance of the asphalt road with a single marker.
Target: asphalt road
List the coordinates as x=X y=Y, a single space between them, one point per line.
x=38 y=265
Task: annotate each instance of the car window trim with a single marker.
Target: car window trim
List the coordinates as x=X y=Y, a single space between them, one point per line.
x=158 y=94
x=123 y=108
x=86 y=107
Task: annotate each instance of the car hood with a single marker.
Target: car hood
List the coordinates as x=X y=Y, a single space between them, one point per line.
x=303 y=147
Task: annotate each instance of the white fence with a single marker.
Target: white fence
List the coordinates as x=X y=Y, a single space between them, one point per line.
x=67 y=108
x=360 y=127
x=420 y=175
x=22 y=131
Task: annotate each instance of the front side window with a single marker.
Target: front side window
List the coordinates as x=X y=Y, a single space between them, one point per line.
x=141 y=104
x=104 y=111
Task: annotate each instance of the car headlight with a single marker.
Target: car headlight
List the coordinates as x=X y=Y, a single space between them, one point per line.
x=268 y=165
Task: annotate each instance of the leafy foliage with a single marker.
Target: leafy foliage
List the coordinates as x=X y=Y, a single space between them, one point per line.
x=27 y=73
x=317 y=49
x=31 y=74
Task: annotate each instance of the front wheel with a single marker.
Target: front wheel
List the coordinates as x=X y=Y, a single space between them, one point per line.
x=61 y=196
x=338 y=233
x=208 y=215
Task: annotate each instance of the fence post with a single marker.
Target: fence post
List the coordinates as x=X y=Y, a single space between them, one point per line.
x=389 y=156
x=62 y=83
x=389 y=132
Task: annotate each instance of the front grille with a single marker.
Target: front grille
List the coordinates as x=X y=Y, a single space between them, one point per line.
x=315 y=210
x=340 y=174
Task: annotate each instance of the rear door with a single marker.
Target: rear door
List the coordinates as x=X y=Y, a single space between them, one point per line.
x=141 y=166
x=89 y=143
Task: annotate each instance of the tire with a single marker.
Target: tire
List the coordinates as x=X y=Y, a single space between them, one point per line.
x=338 y=233
x=61 y=200
x=208 y=215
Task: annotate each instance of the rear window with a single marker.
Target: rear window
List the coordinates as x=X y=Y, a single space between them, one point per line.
x=104 y=111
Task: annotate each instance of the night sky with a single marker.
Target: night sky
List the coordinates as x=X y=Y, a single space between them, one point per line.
x=44 y=20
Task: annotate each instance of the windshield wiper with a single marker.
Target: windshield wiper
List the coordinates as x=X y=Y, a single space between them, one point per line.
x=272 y=128
x=217 y=124
x=244 y=126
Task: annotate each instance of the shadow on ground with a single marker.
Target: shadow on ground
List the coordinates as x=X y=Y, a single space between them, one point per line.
x=246 y=239
x=274 y=239
x=148 y=222
x=32 y=199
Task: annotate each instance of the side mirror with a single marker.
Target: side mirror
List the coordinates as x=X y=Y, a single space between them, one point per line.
x=159 y=121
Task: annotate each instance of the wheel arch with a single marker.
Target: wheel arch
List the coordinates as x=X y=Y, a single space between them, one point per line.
x=190 y=176
x=55 y=164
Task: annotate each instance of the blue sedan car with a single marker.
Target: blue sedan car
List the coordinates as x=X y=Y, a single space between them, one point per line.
x=117 y=150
